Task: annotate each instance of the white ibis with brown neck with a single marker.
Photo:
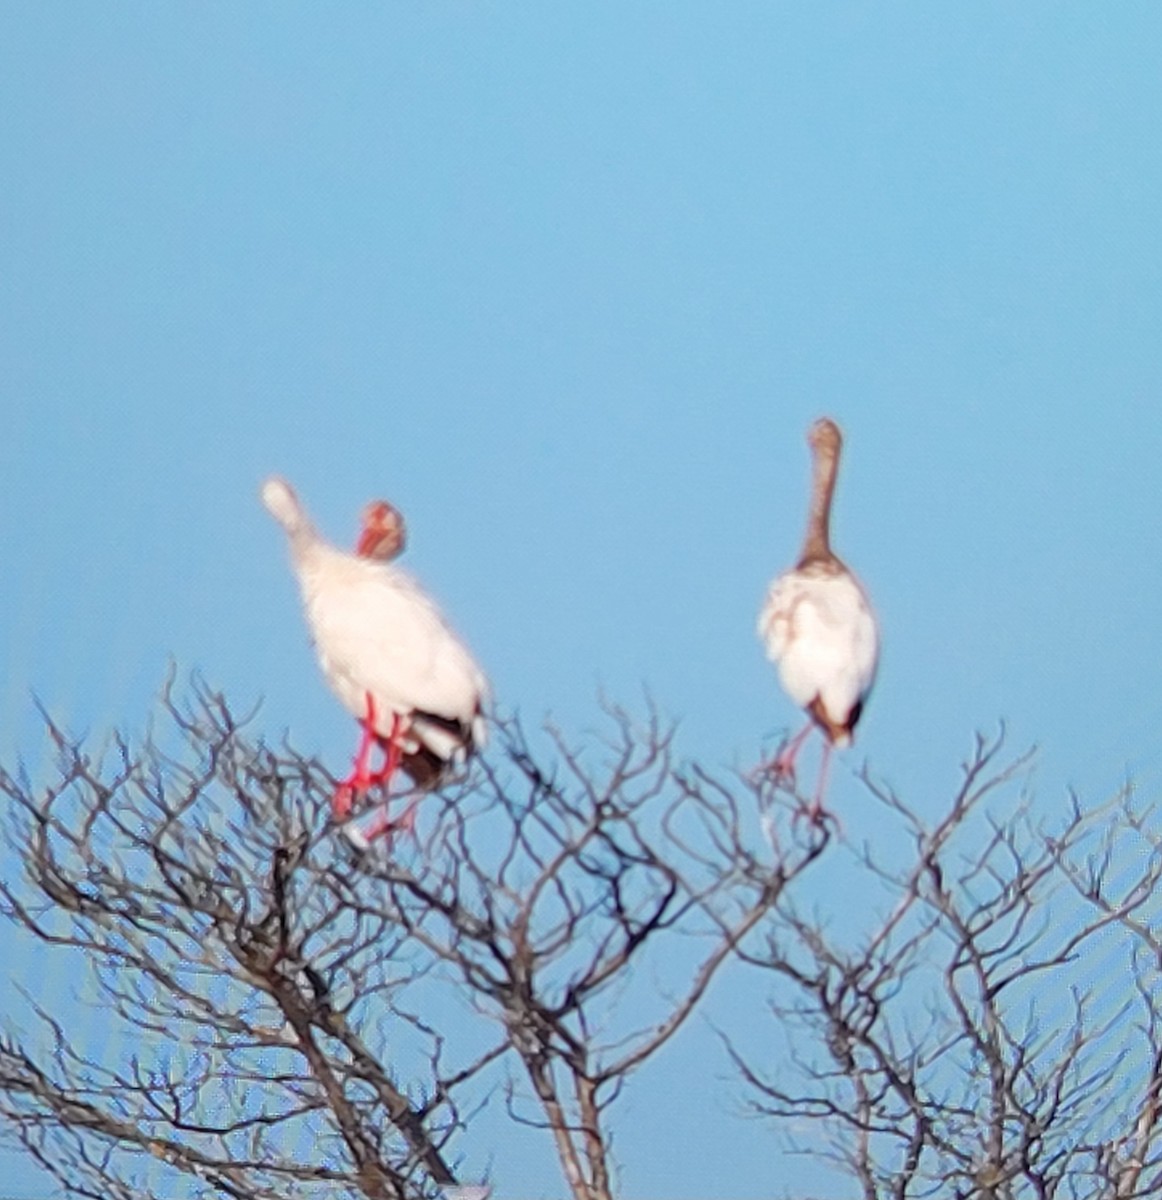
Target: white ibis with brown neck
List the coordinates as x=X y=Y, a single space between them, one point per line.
x=818 y=627
x=387 y=653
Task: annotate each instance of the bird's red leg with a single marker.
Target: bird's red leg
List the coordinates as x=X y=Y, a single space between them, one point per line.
x=393 y=751
x=359 y=780
x=363 y=754
x=381 y=825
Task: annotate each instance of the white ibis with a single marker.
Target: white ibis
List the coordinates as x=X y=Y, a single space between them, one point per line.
x=818 y=627
x=387 y=653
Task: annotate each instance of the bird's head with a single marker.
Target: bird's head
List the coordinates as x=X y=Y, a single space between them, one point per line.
x=824 y=436
x=383 y=534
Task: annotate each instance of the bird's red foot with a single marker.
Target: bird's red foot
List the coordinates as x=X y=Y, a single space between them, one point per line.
x=342 y=801
x=816 y=815
x=357 y=784
x=781 y=768
x=381 y=826
x=762 y=773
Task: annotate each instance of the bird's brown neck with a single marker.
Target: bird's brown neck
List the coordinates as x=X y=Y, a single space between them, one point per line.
x=817 y=542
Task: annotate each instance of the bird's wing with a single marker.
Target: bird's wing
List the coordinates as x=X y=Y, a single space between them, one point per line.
x=865 y=644
x=820 y=630
x=382 y=634
x=777 y=617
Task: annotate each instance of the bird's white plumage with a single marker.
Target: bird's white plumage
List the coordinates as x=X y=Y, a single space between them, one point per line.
x=377 y=632
x=817 y=627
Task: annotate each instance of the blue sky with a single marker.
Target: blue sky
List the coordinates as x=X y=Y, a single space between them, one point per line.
x=567 y=283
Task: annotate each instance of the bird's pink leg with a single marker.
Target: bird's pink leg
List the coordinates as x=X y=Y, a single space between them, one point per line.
x=816 y=812
x=783 y=764
x=359 y=780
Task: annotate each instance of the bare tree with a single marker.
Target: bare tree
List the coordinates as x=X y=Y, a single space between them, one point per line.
x=267 y=998
x=991 y=1029
x=277 y=1008
x=237 y=987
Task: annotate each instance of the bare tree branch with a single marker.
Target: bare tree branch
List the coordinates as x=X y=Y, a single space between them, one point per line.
x=936 y=1026
x=956 y=1046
